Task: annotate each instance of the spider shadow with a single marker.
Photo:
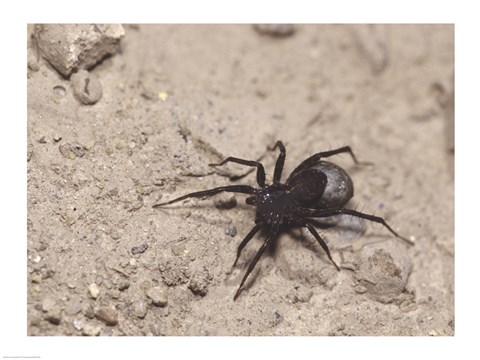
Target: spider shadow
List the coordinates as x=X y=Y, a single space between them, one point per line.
x=272 y=249
x=200 y=207
x=297 y=234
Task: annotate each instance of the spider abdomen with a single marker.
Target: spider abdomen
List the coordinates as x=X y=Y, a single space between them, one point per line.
x=339 y=188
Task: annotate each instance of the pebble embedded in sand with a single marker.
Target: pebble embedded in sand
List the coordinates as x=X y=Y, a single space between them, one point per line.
x=86 y=87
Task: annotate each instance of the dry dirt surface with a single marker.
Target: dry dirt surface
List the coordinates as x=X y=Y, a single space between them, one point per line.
x=174 y=98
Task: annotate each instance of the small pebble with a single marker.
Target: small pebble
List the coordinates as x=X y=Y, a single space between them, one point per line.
x=93 y=290
x=72 y=151
x=36 y=278
x=231 y=230
x=106 y=331
x=78 y=324
x=199 y=282
x=275 y=30
x=54 y=318
x=91 y=330
x=156 y=329
x=86 y=87
x=277 y=318
x=139 y=308
x=73 y=307
x=89 y=312
x=48 y=304
x=178 y=249
x=302 y=294
x=115 y=294
x=59 y=91
x=32 y=61
x=124 y=285
x=98 y=279
x=158 y=296
x=139 y=249
x=107 y=315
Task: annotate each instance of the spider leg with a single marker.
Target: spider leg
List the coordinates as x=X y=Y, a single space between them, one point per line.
x=254 y=262
x=251 y=200
x=377 y=219
x=245 y=241
x=280 y=161
x=244 y=189
x=321 y=242
x=260 y=168
x=344 y=149
x=312 y=160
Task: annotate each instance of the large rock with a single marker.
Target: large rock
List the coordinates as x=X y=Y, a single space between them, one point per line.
x=72 y=47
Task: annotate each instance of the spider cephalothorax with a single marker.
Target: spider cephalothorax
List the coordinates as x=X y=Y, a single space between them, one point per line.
x=315 y=189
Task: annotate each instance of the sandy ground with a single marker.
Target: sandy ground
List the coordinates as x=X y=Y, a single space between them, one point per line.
x=102 y=261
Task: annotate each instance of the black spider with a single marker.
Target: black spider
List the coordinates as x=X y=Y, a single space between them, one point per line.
x=315 y=189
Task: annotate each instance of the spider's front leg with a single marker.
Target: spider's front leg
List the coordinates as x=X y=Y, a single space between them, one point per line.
x=259 y=166
x=315 y=158
x=245 y=241
x=268 y=241
x=280 y=161
x=243 y=189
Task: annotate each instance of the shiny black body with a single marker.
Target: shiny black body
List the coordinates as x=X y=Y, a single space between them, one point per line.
x=315 y=189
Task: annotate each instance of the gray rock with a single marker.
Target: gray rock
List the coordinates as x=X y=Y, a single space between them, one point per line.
x=231 y=230
x=73 y=307
x=158 y=296
x=70 y=47
x=140 y=249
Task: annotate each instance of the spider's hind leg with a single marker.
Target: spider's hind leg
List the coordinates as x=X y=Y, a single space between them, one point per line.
x=377 y=219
